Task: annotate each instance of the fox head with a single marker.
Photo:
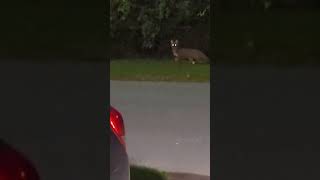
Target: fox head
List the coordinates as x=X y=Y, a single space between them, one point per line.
x=174 y=43
x=174 y=47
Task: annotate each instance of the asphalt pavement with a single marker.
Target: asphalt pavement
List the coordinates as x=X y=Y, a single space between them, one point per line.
x=265 y=124
x=167 y=124
x=265 y=121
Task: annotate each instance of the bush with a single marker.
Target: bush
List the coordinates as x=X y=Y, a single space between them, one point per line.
x=144 y=27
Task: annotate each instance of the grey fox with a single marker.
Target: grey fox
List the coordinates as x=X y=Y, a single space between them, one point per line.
x=192 y=55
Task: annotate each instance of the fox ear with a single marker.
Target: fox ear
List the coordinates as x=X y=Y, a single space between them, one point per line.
x=171 y=41
x=177 y=41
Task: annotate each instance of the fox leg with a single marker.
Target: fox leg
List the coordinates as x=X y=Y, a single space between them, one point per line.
x=176 y=59
x=192 y=60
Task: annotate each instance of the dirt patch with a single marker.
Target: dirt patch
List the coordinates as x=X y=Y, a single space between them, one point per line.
x=186 y=176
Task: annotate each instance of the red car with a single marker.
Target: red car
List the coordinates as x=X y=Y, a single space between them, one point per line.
x=119 y=164
x=14 y=165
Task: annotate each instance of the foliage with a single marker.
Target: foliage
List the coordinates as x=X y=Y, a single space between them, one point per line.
x=265 y=4
x=148 y=22
x=284 y=37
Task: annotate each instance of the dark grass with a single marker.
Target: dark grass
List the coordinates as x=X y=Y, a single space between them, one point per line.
x=158 y=70
x=144 y=173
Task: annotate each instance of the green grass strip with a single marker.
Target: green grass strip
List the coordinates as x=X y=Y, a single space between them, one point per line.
x=158 y=70
x=144 y=173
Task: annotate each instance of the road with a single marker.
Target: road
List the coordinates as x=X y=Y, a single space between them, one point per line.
x=265 y=124
x=265 y=121
x=167 y=124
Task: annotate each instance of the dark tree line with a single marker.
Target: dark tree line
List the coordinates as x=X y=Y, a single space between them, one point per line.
x=142 y=26
x=261 y=4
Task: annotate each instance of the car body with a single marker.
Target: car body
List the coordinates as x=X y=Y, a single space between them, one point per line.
x=14 y=165
x=119 y=163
